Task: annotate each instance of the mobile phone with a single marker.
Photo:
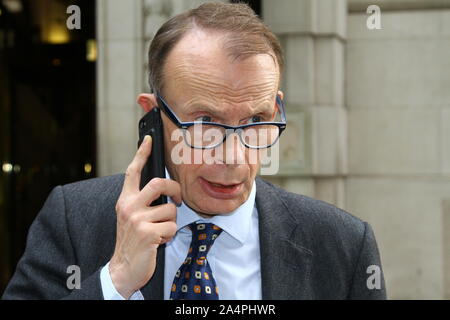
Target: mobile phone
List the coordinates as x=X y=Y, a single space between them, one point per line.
x=151 y=124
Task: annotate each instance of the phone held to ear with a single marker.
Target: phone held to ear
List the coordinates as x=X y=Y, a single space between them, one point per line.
x=151 y=124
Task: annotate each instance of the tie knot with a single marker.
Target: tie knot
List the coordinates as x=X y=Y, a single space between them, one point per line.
x=204 y=235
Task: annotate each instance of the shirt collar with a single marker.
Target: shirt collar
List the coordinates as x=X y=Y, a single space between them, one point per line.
x=235 y=223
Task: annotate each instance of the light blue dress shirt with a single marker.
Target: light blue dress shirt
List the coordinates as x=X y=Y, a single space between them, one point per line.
x=234 y=257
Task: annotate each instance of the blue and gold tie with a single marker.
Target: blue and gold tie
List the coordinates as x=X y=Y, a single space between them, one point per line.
x=194 y=280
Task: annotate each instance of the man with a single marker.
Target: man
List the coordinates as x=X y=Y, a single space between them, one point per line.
x=224 y=234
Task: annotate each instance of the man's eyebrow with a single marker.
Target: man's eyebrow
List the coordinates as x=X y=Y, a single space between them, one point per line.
x=205 y=107
x=199 y=107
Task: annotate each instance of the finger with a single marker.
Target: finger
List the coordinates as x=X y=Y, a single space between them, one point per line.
x=167 y=229
x=134 y=169
x=161 y=232
x=160 y=186
x=160 y=213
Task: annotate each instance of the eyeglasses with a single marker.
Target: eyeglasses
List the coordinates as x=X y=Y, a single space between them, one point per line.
x=209 y=135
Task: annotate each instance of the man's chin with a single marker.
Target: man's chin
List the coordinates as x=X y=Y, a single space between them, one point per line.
x=211 y=207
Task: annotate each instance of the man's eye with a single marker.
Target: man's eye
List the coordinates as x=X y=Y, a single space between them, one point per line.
x=203 y=119
x=256 y=119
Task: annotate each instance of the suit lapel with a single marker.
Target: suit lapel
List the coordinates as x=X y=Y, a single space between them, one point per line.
x=285 y=263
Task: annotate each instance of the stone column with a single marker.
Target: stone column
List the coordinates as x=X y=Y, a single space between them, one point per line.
x=313 y=159
x=119 y=80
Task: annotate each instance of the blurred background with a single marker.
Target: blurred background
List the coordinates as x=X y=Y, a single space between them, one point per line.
x=368 y=114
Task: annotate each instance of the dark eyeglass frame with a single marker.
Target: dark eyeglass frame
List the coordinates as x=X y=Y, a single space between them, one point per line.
x=229 y=129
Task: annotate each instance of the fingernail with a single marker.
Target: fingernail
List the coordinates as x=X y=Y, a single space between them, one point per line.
x=147 y=138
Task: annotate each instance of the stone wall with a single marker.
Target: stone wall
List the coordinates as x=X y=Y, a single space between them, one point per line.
x=398 y=100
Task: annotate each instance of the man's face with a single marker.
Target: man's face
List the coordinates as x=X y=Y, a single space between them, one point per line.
x=202 y=83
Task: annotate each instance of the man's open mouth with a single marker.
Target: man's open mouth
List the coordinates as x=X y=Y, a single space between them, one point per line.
x=220 y=190
x=220 y=185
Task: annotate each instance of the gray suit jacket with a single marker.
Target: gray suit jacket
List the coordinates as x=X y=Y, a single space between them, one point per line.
x=309 y=249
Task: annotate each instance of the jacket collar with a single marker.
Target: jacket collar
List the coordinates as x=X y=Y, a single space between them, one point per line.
x=285 y=261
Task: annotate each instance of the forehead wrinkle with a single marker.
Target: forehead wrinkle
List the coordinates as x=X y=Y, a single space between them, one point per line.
x=198 y=86
x=186 y=71
x=186 y=75
x=232 y=96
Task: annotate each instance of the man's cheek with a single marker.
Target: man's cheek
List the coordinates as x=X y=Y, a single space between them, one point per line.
x=186 y=174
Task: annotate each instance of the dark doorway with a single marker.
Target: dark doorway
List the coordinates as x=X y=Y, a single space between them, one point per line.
x=47 y=111
x=254 y=4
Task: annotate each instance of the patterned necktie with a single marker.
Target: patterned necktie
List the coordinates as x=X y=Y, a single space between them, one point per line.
x=194 y=280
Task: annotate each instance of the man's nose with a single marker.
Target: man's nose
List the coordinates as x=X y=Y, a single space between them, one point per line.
x=234 y=150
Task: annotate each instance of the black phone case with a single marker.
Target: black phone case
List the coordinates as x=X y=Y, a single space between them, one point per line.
x=151 y=124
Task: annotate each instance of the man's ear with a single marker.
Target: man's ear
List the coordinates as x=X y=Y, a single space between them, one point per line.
x=281 y=94
x=147 y=101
